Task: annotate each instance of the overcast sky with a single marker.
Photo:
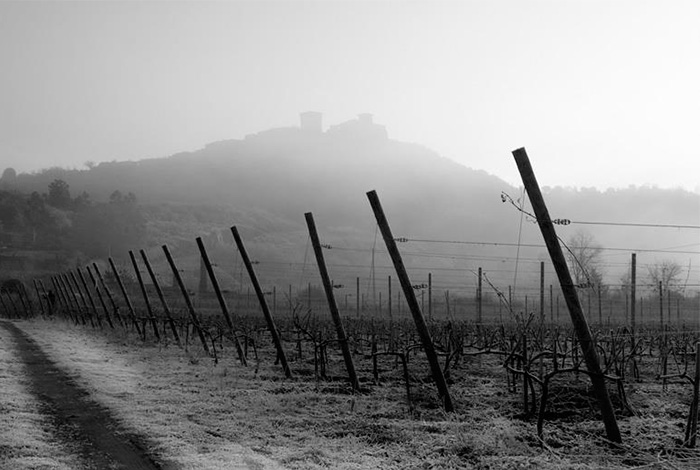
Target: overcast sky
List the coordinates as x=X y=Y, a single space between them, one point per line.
x=603 y=94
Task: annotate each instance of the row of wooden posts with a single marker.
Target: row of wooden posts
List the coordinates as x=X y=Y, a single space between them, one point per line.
x=62 y=285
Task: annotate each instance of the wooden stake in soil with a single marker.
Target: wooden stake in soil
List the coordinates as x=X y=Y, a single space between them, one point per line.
x=163 y=302
x=263 y=303
x=222 y=303
x=411 y=300
x=567 y=285
x=691 y=430
x=129 y=306
x=99 y=296
x=115 y=307
x=144 y=292
x=38 y=296
x=89 y=296
x=188 y=301
x=332 y=305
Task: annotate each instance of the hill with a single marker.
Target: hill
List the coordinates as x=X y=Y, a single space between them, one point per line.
x=265 y=182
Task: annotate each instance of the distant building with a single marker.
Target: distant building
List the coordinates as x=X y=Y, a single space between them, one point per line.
x=361 y=129
x=311 y=121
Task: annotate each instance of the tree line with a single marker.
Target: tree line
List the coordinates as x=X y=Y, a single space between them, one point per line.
x=55 y=220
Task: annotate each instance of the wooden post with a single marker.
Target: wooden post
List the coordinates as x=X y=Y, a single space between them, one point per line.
x=146 y=300
x=691 y=432
x=479 y=305
x=357 y=297
x=75 y=291
x=661 y=304
x=430 y=295
x=332 y=305
x=263 y=303
x=161 y=297
x=38 y=297
x=202 y=278
x=89 y=296
x=389 y=298
x=577 y=317
x=115 y=308
x=222 y=303
x=551 y=304
x=129 y=306
x=100 y=297
x=541 y=292
x=188 y=301
x=71 y=300
x=405 y=282
x=633 y=293
x=62 y=298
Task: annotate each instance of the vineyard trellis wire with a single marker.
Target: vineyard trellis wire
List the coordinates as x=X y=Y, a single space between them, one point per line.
x=534 y=353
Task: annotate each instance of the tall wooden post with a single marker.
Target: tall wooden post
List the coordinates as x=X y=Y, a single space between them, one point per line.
x=661 y=304
x=89 y=296
x=161 y=297
x=127 y=300
x=389 y=298
x=633 y=293
x=115 y=307
x=99 y=296
x=202 y=277
x=263 y=303
x=567 y=285
x=479 y=301
x=75 y=291
x=541 y=292
x=222 y=303
x=186 y=297
x=405 y=282
x=551 y=303
x=357 y=297
x=430 y=295
x=332 y=305
x=144 y=292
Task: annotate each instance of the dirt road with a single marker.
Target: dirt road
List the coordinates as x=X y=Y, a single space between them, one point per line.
x=85 y=427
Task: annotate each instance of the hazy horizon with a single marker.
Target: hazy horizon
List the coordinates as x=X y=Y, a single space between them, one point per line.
x=602 y=94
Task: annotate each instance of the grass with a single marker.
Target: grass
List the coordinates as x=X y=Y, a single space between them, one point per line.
x=214 y=416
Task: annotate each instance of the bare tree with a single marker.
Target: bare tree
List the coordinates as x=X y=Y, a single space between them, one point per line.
x=667 y=272
x=584 y=259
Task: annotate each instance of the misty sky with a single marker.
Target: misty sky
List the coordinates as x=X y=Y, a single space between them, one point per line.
x=601 y=93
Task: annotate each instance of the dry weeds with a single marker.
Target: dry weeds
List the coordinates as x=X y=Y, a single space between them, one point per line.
x=214 y=416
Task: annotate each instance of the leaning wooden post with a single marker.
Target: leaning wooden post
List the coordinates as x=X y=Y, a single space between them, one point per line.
x=479 y=299
x=144 y=293
x=89 y=296
x=62 y=299
x=332 y=305
x=38 y=297
x=115 y=307
x=186 y=296
x=567 y=285
x=411 y=300
x=222 y=303
x=163 y=302
x=691 y=431
x=633 y=295
x=84 y=310
x=100 y=297
x=127 y=300
x=263 y=303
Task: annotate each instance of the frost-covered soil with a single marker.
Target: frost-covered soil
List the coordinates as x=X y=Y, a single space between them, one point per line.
x=202 y=415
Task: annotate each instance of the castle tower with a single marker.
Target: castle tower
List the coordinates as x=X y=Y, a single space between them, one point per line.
x=311 y=121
